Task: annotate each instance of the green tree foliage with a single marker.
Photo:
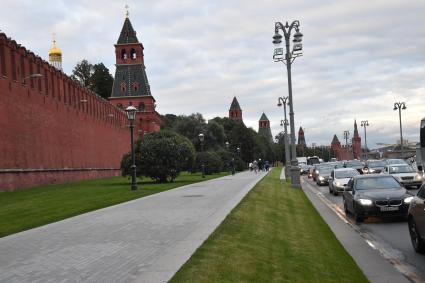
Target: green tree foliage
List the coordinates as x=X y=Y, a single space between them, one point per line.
x=82 y=73
x=94 y=77
x=211 y=160
x=161 y=156
x=101 y=80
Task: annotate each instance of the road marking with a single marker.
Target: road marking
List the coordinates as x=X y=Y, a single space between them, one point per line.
x=404 y=268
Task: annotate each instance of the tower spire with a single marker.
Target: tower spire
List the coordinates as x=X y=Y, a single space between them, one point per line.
x=127 y=13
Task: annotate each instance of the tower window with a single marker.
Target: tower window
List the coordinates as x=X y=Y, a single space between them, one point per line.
x=133 y=53
x=136 y=86
x=141 y=107
x=123 y=87
x=123 y=54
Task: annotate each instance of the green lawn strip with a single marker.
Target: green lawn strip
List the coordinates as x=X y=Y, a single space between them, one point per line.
x=30 y=208
x=273 y=235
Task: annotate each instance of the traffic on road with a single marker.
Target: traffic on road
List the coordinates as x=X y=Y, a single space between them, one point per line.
x=384 y=200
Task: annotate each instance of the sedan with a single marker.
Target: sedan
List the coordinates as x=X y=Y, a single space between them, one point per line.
x=375 y=195
x=339 y=179
x=416 y=221
x=374 y=166
x=395 y=161
x=322 y=177
x=356 y=164
x=405 y=174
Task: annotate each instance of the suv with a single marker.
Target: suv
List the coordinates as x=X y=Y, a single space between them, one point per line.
x=416 y=221
x=405 y=175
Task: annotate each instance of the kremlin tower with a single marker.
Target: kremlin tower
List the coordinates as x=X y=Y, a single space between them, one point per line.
x=55 y=55
x=131 y=86
x=235 y=111
x=264 y=128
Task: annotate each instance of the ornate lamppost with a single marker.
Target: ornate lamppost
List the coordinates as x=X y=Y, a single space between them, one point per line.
x=400 y=106
x=283 y=101
x=131 y=115
x=346 y=137
x=289 y=58
x=201 y=139
x=365 y=124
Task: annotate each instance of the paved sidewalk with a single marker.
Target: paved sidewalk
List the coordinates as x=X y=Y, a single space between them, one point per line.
x=144 y=240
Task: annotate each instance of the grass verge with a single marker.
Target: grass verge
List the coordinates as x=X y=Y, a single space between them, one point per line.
x=273 y=235
x=30 y=208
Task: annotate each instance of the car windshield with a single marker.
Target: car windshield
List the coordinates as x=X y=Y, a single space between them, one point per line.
x=376 y=163
x=353 y=164
x=345 y=174
x=325 y=170
x=396 y=161
x=401 y=169
x=377 y=183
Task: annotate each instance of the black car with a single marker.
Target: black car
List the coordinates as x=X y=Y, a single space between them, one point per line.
x=416 y=221
x=374 y=166
x=375 y=195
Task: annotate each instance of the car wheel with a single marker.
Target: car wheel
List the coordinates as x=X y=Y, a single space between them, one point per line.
x=356 y=216
x=330 y=190
x=335 y=192
x=417 y=242
x=345 y=206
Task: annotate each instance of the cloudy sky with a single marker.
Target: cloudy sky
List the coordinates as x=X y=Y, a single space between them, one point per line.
x=359 y=56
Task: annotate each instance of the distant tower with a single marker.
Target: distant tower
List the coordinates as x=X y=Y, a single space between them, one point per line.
x=235 y=111
x=357 y=143
x=336 y=147
x=301 y=139
x=55 y=55
x=264 y=128
x=131 y=86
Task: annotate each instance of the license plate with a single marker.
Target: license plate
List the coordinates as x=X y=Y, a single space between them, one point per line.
x=389 y=208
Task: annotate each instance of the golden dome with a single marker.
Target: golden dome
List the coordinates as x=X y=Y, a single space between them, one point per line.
x=55 y=51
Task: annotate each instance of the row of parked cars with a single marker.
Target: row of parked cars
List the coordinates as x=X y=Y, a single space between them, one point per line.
x=377 y=188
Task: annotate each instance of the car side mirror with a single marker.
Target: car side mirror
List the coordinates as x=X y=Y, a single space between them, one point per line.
x=330 y=178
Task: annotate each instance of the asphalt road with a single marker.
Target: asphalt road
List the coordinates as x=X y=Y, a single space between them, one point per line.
x=389 y=236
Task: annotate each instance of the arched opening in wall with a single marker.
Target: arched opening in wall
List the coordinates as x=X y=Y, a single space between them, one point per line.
x=119 y=105
x=123 y=54
x=133 y=54
x=123 y=87
x=136 y=86
x=141 y=107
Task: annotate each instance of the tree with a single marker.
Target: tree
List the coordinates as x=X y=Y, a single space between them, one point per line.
x=101 y=80
x=94 y=77
x=82 y=73
x=161 y=156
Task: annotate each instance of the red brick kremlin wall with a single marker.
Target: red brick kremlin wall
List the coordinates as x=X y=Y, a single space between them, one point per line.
x=51 y=129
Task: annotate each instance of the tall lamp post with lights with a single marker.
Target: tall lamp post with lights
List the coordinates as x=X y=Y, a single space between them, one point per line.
x=346 y=137
x=283 y=101
x=365 y=124
x=288 y=59
x=201 y=139
x=131 y=115
x=400 y=106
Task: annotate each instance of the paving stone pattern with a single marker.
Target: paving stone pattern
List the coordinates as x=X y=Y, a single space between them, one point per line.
x=144 y=240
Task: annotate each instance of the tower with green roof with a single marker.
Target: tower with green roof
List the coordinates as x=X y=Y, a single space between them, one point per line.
x=264 y=128
x=131 y=85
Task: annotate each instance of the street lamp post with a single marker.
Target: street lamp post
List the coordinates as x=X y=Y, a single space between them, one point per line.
x=288 y=60
x=131 y=115
x=283 y=101
x=400 y=106
x=365 y=124
x=201 y=139
x=314 y=148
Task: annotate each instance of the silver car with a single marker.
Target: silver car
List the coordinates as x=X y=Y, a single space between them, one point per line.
x=339 y=178
x=405 y=175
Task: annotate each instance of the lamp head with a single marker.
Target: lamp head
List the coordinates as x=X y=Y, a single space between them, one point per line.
x=404 y=106
x=227 y=144
x=201 y=137
x=131 y=112
x=277 y=38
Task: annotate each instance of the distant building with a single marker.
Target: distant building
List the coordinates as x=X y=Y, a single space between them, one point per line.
x=131 y=86
x=264 y=128
x=235 y=111
x=55 y=55
x=347 y=152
